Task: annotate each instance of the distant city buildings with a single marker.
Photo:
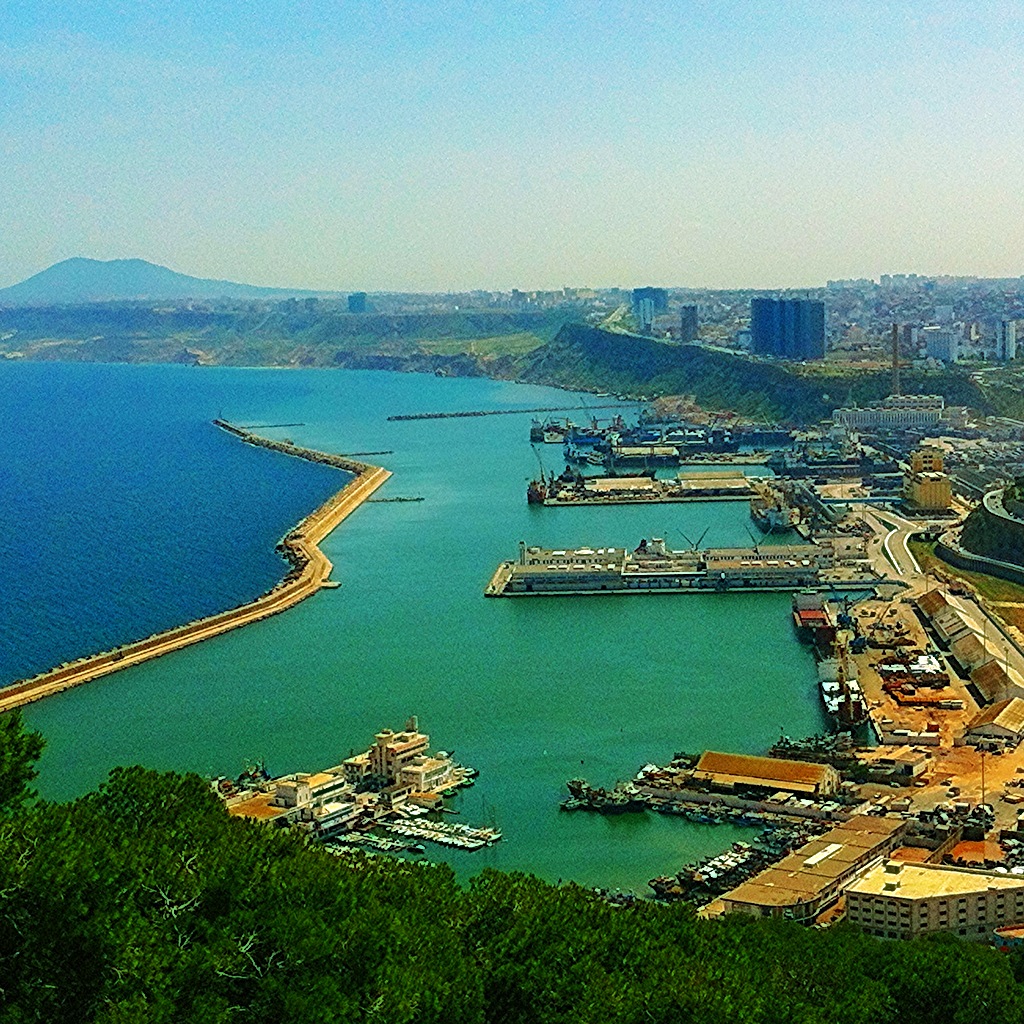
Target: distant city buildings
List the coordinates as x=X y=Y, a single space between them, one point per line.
x=787 y=328
x=647 y=304
x=900 y=281
x=357 y=302
x=850 y=284
x=941 y=343
x=688 y=323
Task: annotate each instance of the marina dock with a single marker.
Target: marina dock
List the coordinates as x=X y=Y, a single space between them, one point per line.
x=310 y=571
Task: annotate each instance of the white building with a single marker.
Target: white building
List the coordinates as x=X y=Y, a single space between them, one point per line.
x=895 y=411
x=1002 y=722
x=898 y=900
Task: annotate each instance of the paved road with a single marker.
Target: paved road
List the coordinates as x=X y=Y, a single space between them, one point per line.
x=898 y=532
x=892 y=532
x=888 y=548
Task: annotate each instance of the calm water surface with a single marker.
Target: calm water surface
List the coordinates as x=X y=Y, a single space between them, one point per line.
x=125 y=511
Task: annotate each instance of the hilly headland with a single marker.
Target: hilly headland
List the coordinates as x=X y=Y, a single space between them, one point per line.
x=537 y=346
x=133 y=311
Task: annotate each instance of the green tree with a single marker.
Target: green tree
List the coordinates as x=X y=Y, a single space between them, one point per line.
x=19 y=751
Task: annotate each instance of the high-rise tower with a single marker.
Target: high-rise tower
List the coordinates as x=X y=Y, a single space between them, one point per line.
x=787 y=328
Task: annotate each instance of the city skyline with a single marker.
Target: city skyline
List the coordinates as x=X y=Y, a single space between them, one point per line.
x=395 y=148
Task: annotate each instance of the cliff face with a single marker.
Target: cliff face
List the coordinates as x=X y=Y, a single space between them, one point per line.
x=991 y=535
x=536 y=346
x=587 y=357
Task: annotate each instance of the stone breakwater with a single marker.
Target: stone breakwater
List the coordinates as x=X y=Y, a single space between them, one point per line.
x=309 y=571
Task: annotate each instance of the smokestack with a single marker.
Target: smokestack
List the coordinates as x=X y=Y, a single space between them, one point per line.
x=896 y=360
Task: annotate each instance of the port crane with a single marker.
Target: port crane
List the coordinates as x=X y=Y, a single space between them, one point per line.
x=695 y=545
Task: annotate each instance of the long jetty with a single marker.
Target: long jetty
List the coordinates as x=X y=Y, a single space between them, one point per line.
x=310 y=571
x=626 y=403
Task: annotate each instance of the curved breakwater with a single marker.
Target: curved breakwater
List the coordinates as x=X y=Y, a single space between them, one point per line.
x=310 y=571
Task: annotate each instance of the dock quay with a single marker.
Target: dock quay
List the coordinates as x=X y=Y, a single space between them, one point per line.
x=653 y=568
x=392 y=787
x=446 y=833
x=402 y=417
x=723 y=485
x=309 y=571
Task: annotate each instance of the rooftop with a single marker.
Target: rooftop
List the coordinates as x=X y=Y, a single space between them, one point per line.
x=762 y=769
x=991 y=679
x=1009 y=714
x=321 y=779
x=818 y=865
x=931 y=602
x=619 y=483
x=257 y=806
x=920 y=881
x=969 y=650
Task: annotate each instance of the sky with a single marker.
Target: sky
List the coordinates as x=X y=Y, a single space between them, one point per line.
x=425 y=146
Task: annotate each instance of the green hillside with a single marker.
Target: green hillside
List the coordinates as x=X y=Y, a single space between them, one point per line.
x=288 y=333
x=541 y=346
x=586 y=357
x=145 y=902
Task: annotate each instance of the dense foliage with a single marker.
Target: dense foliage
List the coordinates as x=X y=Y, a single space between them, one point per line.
x=19 y=751
x=144 y=901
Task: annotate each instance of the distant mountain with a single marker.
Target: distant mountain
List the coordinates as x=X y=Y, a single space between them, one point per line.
x=83 y=280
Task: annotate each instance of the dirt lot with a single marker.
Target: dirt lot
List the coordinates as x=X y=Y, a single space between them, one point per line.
x=897 y=623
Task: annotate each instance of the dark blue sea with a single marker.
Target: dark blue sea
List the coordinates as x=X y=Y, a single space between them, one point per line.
x=125 y=511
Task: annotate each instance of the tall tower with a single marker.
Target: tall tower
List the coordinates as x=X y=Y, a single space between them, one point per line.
x=790 y=328
x=688 y=324
x=1006 y=340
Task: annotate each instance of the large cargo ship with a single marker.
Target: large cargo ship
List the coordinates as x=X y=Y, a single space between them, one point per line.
x=772 y=508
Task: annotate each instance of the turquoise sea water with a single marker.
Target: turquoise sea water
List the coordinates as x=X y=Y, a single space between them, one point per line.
x=531 y=692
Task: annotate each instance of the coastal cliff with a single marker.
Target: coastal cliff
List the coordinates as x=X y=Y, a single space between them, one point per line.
x=541 y=347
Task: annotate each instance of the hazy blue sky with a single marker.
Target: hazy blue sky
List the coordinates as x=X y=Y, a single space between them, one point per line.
x=426 y=146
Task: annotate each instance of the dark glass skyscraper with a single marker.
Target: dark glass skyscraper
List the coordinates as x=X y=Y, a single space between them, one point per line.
x=787 y=328
x=688 y=323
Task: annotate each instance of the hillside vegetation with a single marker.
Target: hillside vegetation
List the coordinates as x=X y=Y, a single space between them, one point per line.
x=587 y=357
x=290 y=333
x=145 y=902
x=543 y=347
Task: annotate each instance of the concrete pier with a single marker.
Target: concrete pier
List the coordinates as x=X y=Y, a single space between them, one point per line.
x=310 y=570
